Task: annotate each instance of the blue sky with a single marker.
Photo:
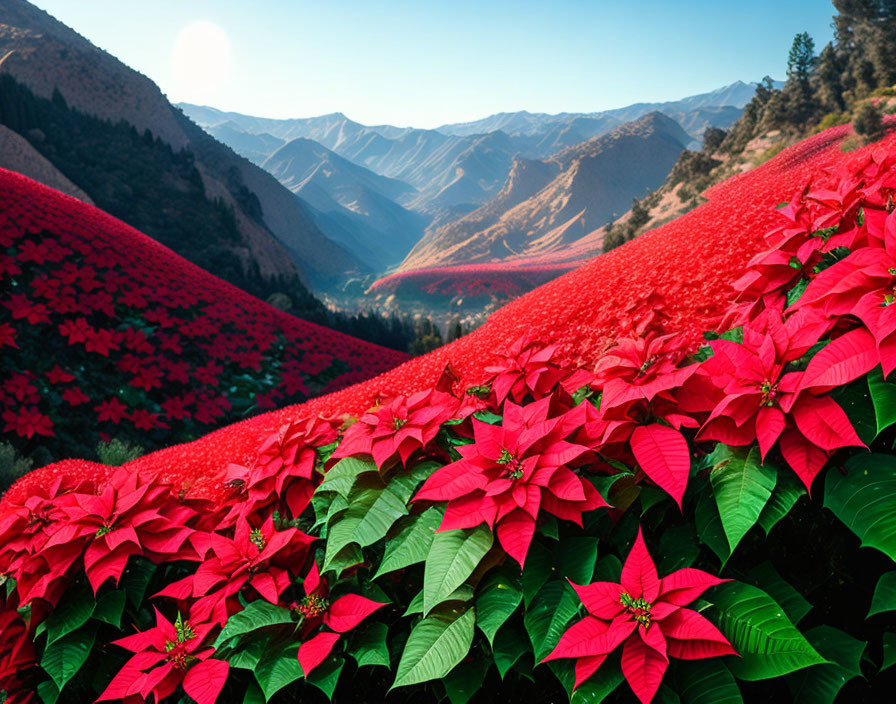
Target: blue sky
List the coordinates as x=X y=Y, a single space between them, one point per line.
x=425 y=63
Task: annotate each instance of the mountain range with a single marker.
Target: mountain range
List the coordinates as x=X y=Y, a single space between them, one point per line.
x=450 y=172
x=548 y=205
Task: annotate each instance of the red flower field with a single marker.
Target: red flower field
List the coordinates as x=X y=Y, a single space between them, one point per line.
x=450 y=519
x=104 y=330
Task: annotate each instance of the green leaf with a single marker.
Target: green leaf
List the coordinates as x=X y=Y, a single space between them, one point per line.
x=48 y=692
x=436 y=645
x=865 y=500
x=889 y=650
x=369 y=645
x=706 y=682
x=679 y=548
x=73 y=610
x=787 y=492
x=883 y=397
x=341 y=477
x=508 y=647
x=110 y=607
x=326 y=675
x=538 y=569
x=465 y=680
x=278 y=667
x=599 y=686
x=411 y=543
x=742 y=486
x=576 y=558
x=548 y=615
x=498 y=596
x=416 y=605
x=884 y=598
x=709 y=527
x=794 y=604
x=853 y=399
x=349 y=556
x=453 y=556
x=759 y=630
x=549 y=527
x=341 y=532
x=135 y=579
x=249 y=654
x=254 y=695
x=390 y=504
x=608 y=569
x=820 y=684
x=65 y=656
x=258 y=614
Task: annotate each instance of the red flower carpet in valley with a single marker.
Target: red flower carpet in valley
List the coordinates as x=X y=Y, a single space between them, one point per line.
x=507 y=503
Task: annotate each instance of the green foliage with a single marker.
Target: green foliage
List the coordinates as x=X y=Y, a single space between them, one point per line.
x=435 y=646
x=867 y=121
x=864 y=498
x=820 y=684
x=117 y=452
x=453 y=556
x=12 y=465
x=884 y=598
x=742 y=486
x=767 y=641
x=498 y=596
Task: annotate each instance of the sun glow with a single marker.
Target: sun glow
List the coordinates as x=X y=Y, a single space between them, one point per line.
x=200 y=61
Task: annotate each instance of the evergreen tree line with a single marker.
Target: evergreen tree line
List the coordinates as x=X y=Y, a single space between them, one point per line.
x=141 y=180
x=831 y=87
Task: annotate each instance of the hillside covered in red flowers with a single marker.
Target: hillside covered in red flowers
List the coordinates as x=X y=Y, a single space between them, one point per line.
x=106 y=333
x=580 y=494
x=684 y=269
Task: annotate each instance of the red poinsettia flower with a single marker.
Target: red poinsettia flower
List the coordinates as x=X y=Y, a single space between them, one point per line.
x=17 y=655
x=340 y=616
x=529 y=368
x=864 y=285
x=74 y=396
x=168 y=655
x=258 y=556
x=27 y=422
x=57 y=375
x=112 y=410
x=132 y=516
x=645 y=614
x=511 y=472
x=7 y=336
x=75 y=330
x=283 y=471
x=21 y=307
x=640 y=369
x=640 y=419
x=400 y=427
x=758 y=398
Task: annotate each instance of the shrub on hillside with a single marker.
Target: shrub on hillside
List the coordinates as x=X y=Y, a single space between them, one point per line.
x=867 y=121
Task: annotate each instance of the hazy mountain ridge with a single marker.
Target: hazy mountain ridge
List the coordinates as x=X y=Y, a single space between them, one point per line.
x=356 y=206
x=547 y=206
x=458 y=167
